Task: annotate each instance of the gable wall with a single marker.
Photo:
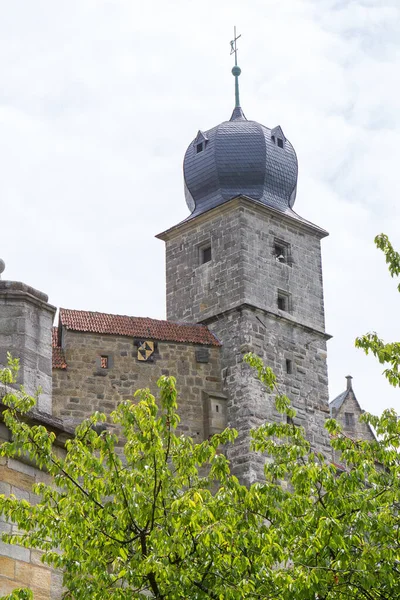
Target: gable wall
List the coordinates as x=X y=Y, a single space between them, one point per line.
x=360 y=430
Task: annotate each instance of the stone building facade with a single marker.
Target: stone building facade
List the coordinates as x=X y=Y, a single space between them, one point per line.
x=254 y=301
x=243 y=274
x=22 y=567
x=100 y=363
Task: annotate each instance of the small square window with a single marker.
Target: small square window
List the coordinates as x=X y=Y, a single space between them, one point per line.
x=281 y=252
x=206 y=255
x=104 y=362
x=349 y=420
x=280 y=143
x=289 y=367
x=199 y=147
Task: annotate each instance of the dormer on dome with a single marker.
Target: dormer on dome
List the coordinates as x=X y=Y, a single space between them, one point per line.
x=278 y=137
x=200 y=142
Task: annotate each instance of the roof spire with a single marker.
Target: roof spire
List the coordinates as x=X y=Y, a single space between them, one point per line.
x=237 y=112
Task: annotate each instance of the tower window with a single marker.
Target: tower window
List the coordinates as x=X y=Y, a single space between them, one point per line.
x=289 y=367
x=104 y=362
x=282 y=252
x=283 y=301
x=200 y=147
x=205 y=255
x=280 y=143
x=349 y=420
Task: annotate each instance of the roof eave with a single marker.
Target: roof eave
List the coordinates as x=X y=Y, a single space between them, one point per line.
x=228 y=205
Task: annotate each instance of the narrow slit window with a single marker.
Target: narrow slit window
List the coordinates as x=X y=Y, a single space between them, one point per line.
x=283 y=301
x=216 y=408
x=289 y=367
x=206 y=255
x=104 y=362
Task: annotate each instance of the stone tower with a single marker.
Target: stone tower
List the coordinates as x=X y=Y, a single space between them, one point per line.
x=245 y=264
x=26 y=320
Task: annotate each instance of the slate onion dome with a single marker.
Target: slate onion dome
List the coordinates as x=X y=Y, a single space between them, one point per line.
x=240 y=158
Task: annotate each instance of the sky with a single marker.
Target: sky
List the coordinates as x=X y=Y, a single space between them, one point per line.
x=100 y=99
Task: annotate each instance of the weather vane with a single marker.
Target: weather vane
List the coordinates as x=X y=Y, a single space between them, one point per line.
x=235 y=70
x=233 y=44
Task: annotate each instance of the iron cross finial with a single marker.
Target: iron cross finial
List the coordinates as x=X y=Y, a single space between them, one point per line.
x=233 y=44
x=236 y=70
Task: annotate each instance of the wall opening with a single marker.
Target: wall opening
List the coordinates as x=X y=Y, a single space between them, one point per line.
x=349 y=420
x=281 y=251
x=284 y=301
x=205 y=255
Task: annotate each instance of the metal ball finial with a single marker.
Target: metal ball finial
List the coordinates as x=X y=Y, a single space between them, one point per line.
x=2 y=266
x=236 y=71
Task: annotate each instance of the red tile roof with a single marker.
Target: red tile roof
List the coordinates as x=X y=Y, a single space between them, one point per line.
x=58 y=353
x=139 y=327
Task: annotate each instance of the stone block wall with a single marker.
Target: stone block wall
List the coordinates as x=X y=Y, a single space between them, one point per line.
x=84 y=387
x=236 y=295
x=249 y=404
x=244 y=267
x=22 y=567
x=26 y=321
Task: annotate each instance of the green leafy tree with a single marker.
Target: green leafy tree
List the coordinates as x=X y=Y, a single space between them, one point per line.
x=162 y=517
x=387 y=353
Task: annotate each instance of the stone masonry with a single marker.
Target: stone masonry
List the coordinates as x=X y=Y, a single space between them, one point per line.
x=347 y=410
x=26 y=320
x=19 y=566
x=236 y=294
x=84 y=387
